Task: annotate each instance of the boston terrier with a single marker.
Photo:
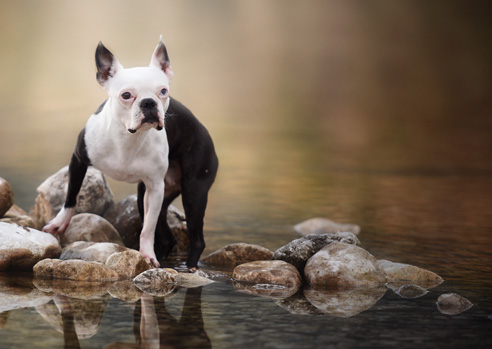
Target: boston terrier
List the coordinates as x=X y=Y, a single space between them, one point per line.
x=141 y=135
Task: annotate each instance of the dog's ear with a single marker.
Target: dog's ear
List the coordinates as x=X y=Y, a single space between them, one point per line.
x=106 y=63
x=160 y=59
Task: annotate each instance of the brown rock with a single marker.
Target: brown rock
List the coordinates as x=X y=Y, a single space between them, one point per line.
x=325 y=226
x=232 y=255
x=126 y=291
x=6 y=196
x=91 y=251
x=268 y=272
x=73 y=270
x=73 y=288
x=128 y=264
x=340 y=266
x=453 y=304
x=95 y=196
x=399 y=274
x=90 y=227
x=16 y=215
x=157 y=282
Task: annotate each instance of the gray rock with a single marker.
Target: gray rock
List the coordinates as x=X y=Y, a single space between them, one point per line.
x=453 y=304
x=268 y=272
x=89 y=227
x=22 y=248
x=128 y=264
x=297 y=252
x=340 y=266
x=232 y=255
x=95 y=196
x=190 y=280
x=73 y=269
x=6 y=196
x=91 y=251
x=325 y=226
x=399 y=274
x=411 y=291
x=157 y=281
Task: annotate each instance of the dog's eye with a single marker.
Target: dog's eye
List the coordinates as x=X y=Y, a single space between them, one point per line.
x=164 y=92
x=126 y=95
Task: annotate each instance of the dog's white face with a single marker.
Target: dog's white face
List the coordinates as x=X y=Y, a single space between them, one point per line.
x=138 y=97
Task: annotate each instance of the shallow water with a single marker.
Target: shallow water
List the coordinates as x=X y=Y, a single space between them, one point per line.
x=376 y=113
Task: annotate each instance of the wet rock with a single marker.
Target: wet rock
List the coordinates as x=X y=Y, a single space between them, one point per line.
x=73 y=269
x=16 y=215
x=95 y=195
x=125 y=290
x=411 y=291
x=89 y=227
x=190 y=280
x=399 y=274
x=298 y=251
x=157 y=282
x=91 y=251
x=265 y=290
x=268 y=272
x=453 y=304
x=73 y=288
x=232 y=255
x=22 y=248
x=298 y=305
x=6 y=196
x=345 y=303
x=177 y=223
x=325 y=226
x=128 y=264
x=340 y=266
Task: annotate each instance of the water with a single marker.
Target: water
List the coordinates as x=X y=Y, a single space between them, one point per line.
x=376 y=113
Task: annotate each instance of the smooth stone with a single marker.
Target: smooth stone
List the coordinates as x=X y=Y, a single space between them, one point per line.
x=128 y=264
x=22 y=247
x=90 y=227
x=325 y=226
x=268 y=272
x=265 y=290
x=345 y=303
x=341 y=266
x=16 y=215
x=298 y=251
x=232 y=255
x=6 y=197
x=91 y=251
x=95 y=196
x=157 y=282
x=399 y=274
x=411 y=291
x=73 y=269
x=190 y=280
x=453 y=304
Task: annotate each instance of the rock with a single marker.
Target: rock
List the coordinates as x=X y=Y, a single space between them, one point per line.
x=298 y=251
x=126 y=291
x=157 y=282
x=232 y=255
x=16 y=215
x=73 y=269
x=453 y=304
x=73 y=288
x=22 y=248
x=340 y=266
x=91 y=251
x=128 y=264
x=6 y=196
x=398 y=274
x=90 y=227
x=265 y=290
x=95 y=195
x=268 y=272
x=325 y=226
x=411 y=291
x=190 y=280
x=298 y=305
x=345 y=303
x=177 y=222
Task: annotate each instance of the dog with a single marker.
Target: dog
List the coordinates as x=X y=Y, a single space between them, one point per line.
x=141 y=135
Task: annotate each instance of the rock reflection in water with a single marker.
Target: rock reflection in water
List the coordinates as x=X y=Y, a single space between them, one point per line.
x=265 y=290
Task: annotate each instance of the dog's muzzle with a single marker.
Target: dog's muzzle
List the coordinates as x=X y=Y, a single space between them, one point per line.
x=150 y=112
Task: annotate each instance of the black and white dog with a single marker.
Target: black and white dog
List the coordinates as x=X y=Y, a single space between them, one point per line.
x=125 y=139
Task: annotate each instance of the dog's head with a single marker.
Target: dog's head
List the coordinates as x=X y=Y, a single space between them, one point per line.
x=138 y=97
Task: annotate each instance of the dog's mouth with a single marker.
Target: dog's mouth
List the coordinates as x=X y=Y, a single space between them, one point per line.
x=151 y=118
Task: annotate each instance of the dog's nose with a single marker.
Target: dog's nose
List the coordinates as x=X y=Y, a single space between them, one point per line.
x=147 y=103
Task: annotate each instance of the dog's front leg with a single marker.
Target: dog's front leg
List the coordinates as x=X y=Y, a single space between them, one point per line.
x=154 y=195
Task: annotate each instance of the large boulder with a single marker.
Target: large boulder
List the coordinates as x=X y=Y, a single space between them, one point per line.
x=95 y=196
x=73 y=269
x=128 y=264
x=90 y=227
x=341 y=266
x=22 y=248
x=6 y=196
x=324 y=226
x=232 y=255
x=91 y=251
x=298 y=251
x=399 y=274
x=268 y=272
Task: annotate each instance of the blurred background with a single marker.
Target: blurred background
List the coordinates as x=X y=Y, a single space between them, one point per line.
x=376 y=112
